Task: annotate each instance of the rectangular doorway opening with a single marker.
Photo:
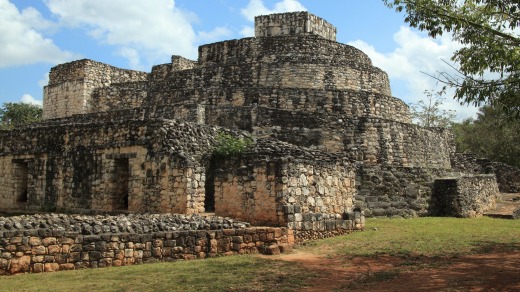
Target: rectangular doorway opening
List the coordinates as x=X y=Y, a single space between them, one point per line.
x=209 y=187
x=121 y=184
x=21 y=181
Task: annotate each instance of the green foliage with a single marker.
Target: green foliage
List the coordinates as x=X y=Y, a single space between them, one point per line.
x=427 y=112
x=492 y=135
x=487 y=29
x=228 y=145
x=18 y=114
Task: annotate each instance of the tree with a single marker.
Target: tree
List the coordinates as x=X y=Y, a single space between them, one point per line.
x=17 y=114
x=489 y=61
x=427 y=112
x=492 y=135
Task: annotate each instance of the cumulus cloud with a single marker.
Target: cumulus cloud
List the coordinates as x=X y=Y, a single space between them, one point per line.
x=247 y=31
x=27 y=98
x=44 y=81
x=216 y=34
x=22 y=39
x=415 y=55
x=257 y=7
x=154 y=28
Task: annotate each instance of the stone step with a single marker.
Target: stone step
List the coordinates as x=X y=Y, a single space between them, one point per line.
x=508 y=206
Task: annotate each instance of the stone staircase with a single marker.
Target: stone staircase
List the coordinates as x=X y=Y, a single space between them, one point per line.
x=508 y=206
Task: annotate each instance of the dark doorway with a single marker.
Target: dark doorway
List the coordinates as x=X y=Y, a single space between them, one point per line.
x=120 y=183
x=209 y=186
x=21 y=181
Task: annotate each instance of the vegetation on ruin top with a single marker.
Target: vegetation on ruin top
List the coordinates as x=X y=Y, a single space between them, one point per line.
x=228 y=145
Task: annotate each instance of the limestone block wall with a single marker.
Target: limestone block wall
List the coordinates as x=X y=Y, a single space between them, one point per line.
x=305 y=49
x=136 y=166
x=466 y=196
x=71 y=84
x=117 y=96
x=293 y=23
x=389 y=143
x=508 y=177
x=395 y=191
x=180 y=63
x=282 y=76
x=280 y=192
x=247 y=190
x=46 y=250
x=368 y=140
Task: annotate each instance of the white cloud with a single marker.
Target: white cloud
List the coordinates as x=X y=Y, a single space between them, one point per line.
x=27 y=98
x=154 y=28
x=132 y=56
x=257 y=7
x=247 y=31
x=21 y=39
x=216 y=34
x=414 y=54
x=44 y=81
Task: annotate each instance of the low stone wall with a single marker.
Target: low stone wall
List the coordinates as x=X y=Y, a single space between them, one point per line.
x=39 y=250
x=467 y=196
x=395 y=191
x=508 y=177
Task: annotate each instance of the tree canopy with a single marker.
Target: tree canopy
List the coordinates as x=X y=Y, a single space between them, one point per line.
x=17 y=114
x=492 y=135
x=487 y=67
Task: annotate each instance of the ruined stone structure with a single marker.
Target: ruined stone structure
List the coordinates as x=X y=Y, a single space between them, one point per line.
x=330 y=139
x=331 y=145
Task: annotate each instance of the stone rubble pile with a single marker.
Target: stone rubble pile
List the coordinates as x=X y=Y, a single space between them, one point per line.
x=131 y=223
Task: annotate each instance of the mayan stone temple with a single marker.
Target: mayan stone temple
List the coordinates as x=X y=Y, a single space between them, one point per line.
x=331 y=145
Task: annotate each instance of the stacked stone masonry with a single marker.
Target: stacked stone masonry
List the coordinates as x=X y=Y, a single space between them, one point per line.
x=295 y=23
x=331 y=144
x=464 y=196
x=47 y=243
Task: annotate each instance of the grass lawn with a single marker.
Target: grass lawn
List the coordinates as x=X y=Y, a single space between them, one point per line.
x=428 y=237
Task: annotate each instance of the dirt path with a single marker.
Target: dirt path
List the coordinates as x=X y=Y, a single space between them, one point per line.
x=480 y=272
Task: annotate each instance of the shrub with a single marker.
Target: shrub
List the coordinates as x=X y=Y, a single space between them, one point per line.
x=228 y=145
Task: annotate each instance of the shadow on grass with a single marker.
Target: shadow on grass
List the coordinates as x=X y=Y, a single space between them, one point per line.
x=371 y=278
x=483 y=247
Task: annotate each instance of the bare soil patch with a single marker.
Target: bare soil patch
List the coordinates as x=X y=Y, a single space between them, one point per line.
x=496 y=271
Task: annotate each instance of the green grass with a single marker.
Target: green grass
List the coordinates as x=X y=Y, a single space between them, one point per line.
x=236 y=273
x=429 y=236
x=415 y=239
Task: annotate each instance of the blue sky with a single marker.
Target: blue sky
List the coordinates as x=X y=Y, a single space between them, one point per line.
x=137 y=34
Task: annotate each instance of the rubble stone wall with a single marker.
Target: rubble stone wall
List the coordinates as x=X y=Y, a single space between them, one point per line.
x=71 y=85
x=508 y=177
x=370 y=140
x=308 y=49
x=280 y=192
x=118 y=96
x=395 y=191
x=287 y=75
x=37 y=250
x=82 y=166
x=466 y=196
